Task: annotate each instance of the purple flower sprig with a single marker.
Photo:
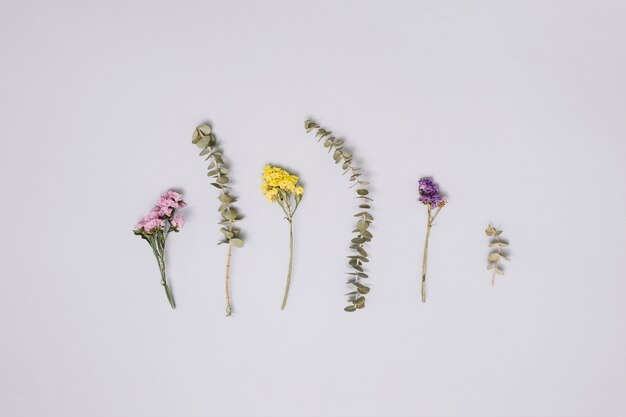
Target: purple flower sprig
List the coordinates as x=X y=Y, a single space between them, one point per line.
x=157 y=225
x=431 y=197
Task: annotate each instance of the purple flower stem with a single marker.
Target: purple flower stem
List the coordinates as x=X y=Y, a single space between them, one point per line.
x=429 y=226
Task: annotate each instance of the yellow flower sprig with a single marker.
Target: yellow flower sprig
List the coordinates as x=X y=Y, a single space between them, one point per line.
x=282 y=187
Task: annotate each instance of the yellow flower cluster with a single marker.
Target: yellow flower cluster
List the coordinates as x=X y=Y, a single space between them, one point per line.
x=275 y=179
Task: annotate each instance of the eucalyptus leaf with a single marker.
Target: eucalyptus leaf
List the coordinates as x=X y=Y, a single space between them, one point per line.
x=204 y=129
x=362 y=224
x=238 y=243
x=203 y=142
x=363 y=289
x=225 y=198
x=227 y=233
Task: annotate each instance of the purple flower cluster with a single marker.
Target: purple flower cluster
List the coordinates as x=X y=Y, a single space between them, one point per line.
x=162 y=213
x=429 y=193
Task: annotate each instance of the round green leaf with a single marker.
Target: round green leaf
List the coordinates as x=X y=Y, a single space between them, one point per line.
x=238 y=243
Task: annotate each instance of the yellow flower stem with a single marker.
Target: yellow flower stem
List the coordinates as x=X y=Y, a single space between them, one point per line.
x=290 y=263
x=282 y=206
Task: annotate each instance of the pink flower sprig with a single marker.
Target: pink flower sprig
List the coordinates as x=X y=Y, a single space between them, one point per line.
x=157 y=225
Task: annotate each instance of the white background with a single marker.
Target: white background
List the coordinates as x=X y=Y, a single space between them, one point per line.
x=518 y=110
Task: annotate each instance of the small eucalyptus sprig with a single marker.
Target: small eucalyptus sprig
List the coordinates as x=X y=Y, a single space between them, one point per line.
x=496 y=256
x=356 y=297
x=204 y=138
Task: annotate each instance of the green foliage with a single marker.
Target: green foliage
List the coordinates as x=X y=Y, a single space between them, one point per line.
x=335 y=146
x=203 y=138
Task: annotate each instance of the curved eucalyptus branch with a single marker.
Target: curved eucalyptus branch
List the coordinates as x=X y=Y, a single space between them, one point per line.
x=356 y=298
x=204 y=138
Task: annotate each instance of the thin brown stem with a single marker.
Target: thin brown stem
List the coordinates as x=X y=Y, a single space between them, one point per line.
x=424 y=261
x=493 y=278
x=228 y=306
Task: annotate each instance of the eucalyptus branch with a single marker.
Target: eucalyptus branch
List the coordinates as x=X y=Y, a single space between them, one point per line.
x=363 y=236
x=496 y=256
x=217 y=170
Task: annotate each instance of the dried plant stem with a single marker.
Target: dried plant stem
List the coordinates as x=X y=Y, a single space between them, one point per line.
x=168 y=293
x=429 y=226
x=228 y=256
x=159 y=254
x=229 y=310
x=424 y=261
x=493 y=278
x=290 y=264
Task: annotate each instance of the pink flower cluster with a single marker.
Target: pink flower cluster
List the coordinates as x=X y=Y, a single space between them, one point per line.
x=162 y=213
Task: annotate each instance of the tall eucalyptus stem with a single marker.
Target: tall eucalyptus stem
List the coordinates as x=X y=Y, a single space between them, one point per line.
x=204 y=138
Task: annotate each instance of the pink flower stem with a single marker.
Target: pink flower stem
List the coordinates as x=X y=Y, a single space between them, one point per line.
x=158 y=247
